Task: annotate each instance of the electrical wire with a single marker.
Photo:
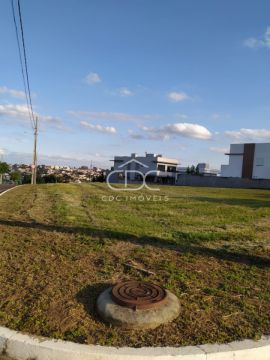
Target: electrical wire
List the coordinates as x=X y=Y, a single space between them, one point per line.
x=25 y=59
x=26 y=66
x=24 y=71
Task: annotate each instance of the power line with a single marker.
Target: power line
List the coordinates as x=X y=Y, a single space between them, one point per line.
x=21 y=63
x=25 y=61
x=24 y=68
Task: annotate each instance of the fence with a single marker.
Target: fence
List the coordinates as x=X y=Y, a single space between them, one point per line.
x=216 y=181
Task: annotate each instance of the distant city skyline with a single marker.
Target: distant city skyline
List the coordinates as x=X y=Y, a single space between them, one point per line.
x=182 y=78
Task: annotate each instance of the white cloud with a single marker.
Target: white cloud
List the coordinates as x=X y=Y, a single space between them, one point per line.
x=54 y=122
x=220 y=117
x=112 y=116
x=177 y=96
x=20 y=114
x=125 y=92
x=120 y=116
x=93 y=78
x=189 y=130
x=98 y=128
x=11 y=92
x=18 y=111
x=216 y=116
x=249 y=134
x=181 y=116
x=178 y=129
x=137 y=136
x=264 y=41
x=219 y=150
x=2 y=152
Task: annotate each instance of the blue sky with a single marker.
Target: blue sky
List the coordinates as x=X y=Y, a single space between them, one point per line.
x=183 y=78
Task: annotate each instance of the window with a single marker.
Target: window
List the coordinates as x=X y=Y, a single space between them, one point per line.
x=171 y=168
x=161 y=167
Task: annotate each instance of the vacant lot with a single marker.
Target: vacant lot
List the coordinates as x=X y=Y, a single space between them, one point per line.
x=62 y=244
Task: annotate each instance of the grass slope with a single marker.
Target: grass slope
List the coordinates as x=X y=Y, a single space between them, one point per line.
x=61 y=245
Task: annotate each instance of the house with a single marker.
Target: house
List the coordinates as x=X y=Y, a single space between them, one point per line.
x=154 y=167
x=205 y=170
x=250 y=160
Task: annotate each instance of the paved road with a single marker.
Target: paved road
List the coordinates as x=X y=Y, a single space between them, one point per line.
x=4 y=188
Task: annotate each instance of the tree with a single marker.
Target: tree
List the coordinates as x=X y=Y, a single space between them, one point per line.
x=26 y=179
x=197 y=170
x=188 y=170
x=99 y=178
x=16 y=177
x=193 y=170
x=52 y=178
x=4 y=168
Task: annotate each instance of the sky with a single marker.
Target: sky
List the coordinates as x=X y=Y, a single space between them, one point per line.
x=182 y=78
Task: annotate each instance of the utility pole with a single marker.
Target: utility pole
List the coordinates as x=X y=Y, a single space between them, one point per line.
x=34 y=165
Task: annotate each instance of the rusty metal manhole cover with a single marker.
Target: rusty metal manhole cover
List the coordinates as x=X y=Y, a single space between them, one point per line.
x=138 y=295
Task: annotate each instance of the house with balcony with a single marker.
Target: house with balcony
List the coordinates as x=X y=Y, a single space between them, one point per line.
x=154 y=167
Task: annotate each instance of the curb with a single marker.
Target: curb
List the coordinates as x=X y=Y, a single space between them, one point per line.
x=12 y=188
x=24 y=347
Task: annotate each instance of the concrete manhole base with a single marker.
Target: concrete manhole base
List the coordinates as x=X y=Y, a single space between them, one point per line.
x=128 y=318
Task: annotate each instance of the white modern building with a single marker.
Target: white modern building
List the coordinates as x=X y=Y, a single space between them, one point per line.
x=155 y=167
x=250 y=161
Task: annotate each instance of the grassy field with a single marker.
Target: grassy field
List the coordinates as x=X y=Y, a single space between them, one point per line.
x=63 y=244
